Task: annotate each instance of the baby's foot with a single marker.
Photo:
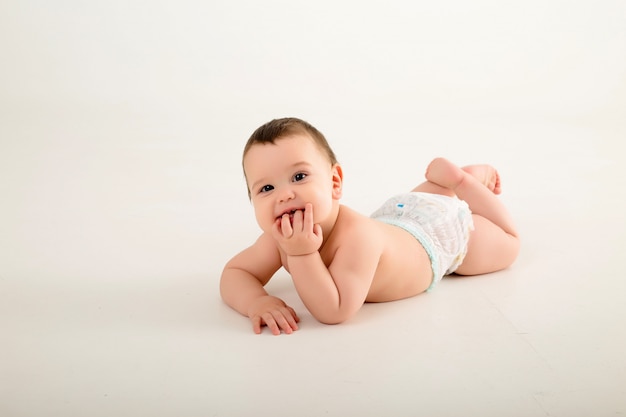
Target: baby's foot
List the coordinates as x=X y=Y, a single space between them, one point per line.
x=444 y=173
x=487 y=175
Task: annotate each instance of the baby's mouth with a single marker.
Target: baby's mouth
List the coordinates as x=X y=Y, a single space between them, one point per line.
x=290 y=213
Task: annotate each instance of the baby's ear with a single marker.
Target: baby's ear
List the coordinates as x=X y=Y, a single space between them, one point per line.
x=337 y=173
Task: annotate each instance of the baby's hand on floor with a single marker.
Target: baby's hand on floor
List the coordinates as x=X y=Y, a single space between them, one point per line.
x=274 y=313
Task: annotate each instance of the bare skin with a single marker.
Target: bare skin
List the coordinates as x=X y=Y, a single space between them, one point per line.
x=337 y=258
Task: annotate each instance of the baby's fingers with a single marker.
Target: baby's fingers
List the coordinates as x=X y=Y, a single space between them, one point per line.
x=271 y=324
x=256 y=324
x=264 y=320
x=281 y=230
x=285 y=226
x=292 y=318
x=293 y=315
x=308 y=217
x=284 y=319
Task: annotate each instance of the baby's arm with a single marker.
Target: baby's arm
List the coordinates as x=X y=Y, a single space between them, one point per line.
x=242 y=282
x=334 y=293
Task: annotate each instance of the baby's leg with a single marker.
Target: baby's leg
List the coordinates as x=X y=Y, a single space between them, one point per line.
x=494 y=243
x=486 y=174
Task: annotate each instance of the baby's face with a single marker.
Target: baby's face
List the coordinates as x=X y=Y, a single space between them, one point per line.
x=284 y=176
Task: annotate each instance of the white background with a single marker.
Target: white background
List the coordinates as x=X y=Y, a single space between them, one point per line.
x=121 y=198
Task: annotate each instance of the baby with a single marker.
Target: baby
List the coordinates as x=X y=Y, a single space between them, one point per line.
x=339 y=259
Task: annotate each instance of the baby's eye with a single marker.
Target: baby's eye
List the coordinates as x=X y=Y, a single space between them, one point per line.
x=299 y=176
x=266 y=188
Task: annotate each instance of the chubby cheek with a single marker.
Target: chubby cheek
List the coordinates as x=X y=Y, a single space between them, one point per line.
x=321 y=210
x=264 y=217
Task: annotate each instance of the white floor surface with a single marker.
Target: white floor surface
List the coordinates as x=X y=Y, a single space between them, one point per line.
x=121 y=131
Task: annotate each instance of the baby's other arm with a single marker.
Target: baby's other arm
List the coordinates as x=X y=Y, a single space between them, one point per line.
x=336 y=293
x=242 y=282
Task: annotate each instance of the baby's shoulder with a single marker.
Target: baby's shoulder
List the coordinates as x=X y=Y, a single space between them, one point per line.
x=352 y=224
x=348 y=215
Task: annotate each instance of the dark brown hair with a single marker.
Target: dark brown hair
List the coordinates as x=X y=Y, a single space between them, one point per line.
x=276 y=129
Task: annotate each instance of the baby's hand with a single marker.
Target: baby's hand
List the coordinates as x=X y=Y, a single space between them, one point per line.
x=300 y=238
x=274 y=313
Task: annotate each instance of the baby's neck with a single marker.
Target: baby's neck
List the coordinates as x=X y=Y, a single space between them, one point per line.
x=328 y=225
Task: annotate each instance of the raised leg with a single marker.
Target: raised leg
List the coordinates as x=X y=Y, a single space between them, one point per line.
x=485 y=174
x=494 y=243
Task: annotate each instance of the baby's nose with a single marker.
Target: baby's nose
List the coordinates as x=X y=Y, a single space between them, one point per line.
x=286 y=194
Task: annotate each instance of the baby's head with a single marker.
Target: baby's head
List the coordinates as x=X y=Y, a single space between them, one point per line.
x=276 y=129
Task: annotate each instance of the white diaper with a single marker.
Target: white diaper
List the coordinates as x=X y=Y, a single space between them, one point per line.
x=440 y=223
